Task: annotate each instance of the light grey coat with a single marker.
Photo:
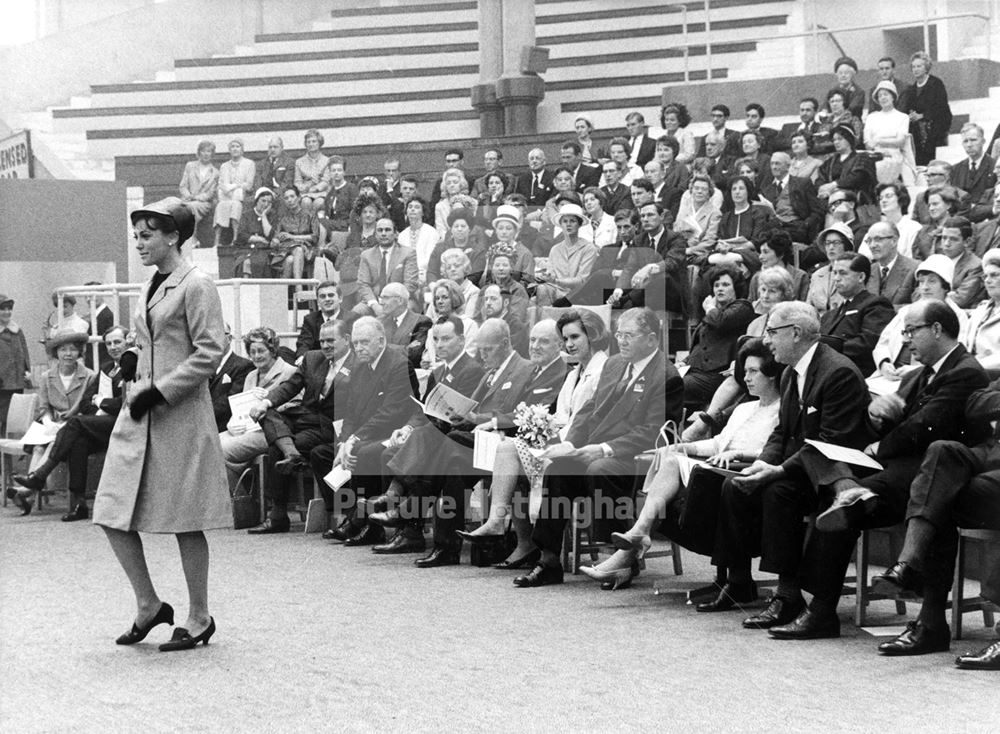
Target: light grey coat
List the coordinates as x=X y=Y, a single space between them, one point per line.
x=165 y=473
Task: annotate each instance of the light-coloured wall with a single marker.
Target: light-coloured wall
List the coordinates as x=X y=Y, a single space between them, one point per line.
x=136 y=44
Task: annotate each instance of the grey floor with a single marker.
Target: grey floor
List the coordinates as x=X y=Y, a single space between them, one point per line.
x=316 y=635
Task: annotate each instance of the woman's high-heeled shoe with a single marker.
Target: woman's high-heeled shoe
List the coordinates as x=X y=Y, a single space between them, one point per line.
x=182 y=639
x=619 y=578
x=638 y=543
x=164 y=615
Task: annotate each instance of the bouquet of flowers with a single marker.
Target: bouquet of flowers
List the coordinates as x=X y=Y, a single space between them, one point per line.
x=535 y=425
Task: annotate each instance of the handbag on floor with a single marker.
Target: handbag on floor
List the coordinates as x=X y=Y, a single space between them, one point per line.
x=246 y=510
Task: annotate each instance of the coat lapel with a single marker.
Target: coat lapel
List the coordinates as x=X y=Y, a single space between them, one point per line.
x=172 y=281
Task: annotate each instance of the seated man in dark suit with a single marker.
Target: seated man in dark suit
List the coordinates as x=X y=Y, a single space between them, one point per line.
x=807 y=123
x=656 y=273
x=642 y=148
x=227 y=380
x=755 y=117
x=974 y=174
x=427 y=466
x=378 y=403
x=535 y=184
x=584 y=175
x=496 y=304
x=929 y=406
x=619 y=195
x=637 y=392
x=460 y=372
x=796 y=205
x=88 y=432
x=293 y=433
x=610 y=263
x=967 y=288
x=403 y=327
x=390 y=262
x=730 y=139
x=328 y=298
x=893 y=275
x=720 y=163
x=823 y=397
x=958 y=487
x=859 y=321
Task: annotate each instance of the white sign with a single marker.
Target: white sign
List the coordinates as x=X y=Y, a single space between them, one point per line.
x=15 y=156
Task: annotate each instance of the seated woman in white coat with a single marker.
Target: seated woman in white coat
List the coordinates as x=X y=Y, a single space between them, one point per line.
x=585 y=341
x=241 y=443
x=891 y=354
x=983 y=340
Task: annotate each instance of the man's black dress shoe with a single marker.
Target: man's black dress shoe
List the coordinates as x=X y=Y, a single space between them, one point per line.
x=528 y=560
x=808 y=626
x=778 y=611
x=730 y=597
x=540 y=575
x=29 y=481
x=271 y=525
x=917 y=639
x=164 y=615
x=77 y=513
x=901 y=579
x=378 y=503
x=986 y=659
x=290 y=464
x=369 y=535
x=440 y=557
x=342 y=532
x=182 y=639
x=389 y=519
x=406 y=540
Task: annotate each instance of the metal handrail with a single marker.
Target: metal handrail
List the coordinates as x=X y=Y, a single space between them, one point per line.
x=133 y=290
x=816 y=30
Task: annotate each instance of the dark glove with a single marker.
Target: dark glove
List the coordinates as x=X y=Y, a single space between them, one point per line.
x=127 y=364
x=144 y=402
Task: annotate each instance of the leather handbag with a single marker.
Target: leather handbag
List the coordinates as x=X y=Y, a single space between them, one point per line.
x=246 y=509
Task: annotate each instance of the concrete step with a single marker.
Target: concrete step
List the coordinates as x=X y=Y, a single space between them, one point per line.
x=253 y=115
x=185 y=140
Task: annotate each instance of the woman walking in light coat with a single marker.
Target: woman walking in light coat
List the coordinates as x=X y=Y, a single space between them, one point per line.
x=164 y=471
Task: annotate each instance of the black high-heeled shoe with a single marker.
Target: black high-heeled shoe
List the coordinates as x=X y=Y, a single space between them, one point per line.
x=528 y=560
x=182 y=639
x=164 y=615
x=24 y=501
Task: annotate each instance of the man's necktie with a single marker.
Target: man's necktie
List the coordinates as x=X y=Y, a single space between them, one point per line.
x=883 y=274
x=383 y=269
x=972 y=168
x=926 y=376
x=328 y=382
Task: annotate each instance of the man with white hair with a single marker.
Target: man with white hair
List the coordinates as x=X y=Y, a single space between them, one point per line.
x=974 y=174
x=794 y=198
x=403 y=327
x=535 y=184
x=823 y=397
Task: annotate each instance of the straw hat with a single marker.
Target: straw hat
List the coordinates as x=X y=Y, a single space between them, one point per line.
x=64 y=335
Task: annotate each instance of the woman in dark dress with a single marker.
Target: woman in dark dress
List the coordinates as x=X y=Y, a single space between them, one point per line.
x=926 y=102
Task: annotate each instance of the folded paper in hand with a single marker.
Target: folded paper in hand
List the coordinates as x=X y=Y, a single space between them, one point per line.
x=445 y=404
x=338 y=477
x=841 y=453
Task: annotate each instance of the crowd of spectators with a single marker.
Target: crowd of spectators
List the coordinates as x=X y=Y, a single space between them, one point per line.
x=753 y=288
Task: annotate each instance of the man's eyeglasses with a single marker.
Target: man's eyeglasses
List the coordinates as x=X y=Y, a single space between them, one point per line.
x=772 y=331
x=627 y=336
x=908 y=331
x=834 y=204
x=886 y=238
